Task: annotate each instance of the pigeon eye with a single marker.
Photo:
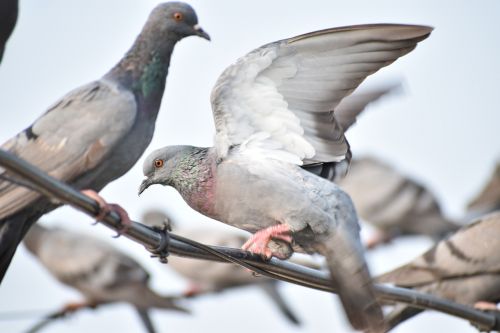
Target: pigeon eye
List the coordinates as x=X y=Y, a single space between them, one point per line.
x=158 y=163
x=178 y=16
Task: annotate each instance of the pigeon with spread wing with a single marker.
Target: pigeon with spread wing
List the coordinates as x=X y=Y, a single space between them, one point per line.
x=274 y=119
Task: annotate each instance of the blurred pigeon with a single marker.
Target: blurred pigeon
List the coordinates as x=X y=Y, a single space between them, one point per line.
x=394 y=203
x=463 y=268
x=8 y=19
x=272 y=111
x=489 y=198
x=96 y=269
x=217 y=277
x=95 y=133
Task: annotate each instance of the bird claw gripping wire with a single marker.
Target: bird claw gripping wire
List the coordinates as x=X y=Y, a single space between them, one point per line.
x=161 y=251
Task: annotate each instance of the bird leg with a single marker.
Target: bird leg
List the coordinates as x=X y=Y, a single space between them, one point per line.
x=192 y=290
x=75 y=306
x=377 y=238
x=485 y=306
x=259 y=242
x=105 y=208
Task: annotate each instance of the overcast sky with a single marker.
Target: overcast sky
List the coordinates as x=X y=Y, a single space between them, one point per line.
x=443 y=130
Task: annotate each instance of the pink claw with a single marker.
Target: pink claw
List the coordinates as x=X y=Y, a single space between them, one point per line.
x=192 y=290
x=258 y=243
x=105 y=208
x=482 y=305
x=376 y=239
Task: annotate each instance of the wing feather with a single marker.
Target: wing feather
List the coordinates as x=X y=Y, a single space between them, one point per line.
x=288 y=89
x=71 y=138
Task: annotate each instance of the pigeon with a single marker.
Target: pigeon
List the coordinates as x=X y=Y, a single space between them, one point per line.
x=394 y=203
x=100 y=272
x=8 y=18
x=489 y=199
x=217 y=277
x=273 y=116
x=463 y=268
x=97 y=132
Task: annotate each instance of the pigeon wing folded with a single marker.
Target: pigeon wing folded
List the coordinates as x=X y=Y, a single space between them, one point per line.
x=71 y=138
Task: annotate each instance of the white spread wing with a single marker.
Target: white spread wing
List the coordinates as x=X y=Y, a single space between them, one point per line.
x=281 y=96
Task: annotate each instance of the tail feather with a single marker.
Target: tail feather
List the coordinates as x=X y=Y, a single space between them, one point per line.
x=14 y=227
x=12 y=231
x=271 y=289
x=349 y=273
x=150 y=299
x=146 y=320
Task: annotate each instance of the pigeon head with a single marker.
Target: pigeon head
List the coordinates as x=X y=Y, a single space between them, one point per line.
x=175 y=166
x=177 y=19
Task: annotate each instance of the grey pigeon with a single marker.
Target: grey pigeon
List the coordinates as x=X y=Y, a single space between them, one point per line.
x=97 y=132
x=488 y=199
x=273 y=114
x=394 y=203
x=207 y=277
x=463 y=268
x=8 y=19
x=96 y=269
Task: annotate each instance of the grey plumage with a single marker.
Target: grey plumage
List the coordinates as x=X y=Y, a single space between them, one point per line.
x=273 y=113
x=346 y=114
x=394 y=203
x=98 y=271
x=212 y=277
x=97 y=132
x=8 y=18
x=463 y=268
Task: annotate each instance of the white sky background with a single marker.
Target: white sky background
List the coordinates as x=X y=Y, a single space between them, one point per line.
x=443 y=130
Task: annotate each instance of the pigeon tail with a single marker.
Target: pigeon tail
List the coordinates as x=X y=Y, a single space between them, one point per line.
x=12 y=230
x=352 y=281
x=151 y=299
x=271 y=290
x=146 y=320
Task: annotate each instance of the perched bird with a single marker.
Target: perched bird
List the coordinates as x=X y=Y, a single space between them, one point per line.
x=273 y=114
x=217 y=277
x=8 y=18
x=394 y=203
x=489 y=199
x=462 y=268
x=100 y=272
x=95 y=133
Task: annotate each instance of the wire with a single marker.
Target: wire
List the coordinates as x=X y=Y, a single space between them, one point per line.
x=282 y=270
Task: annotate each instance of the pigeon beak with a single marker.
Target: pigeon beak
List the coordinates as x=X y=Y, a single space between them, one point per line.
x=144 y=185
x=200 y=32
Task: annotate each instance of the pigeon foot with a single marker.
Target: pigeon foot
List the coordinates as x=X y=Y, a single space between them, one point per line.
x=105 y=208
x=259 y=242
x=485 y=306
x=192 y=291
x=376 y=239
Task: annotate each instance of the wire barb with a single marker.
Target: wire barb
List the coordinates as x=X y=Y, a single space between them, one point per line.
x=161 y=251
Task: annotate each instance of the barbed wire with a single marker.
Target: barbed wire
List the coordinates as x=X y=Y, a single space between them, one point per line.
x=161 y=242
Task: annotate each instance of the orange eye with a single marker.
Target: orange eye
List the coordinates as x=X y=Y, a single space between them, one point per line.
x=178 y=16
x=158 y=163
